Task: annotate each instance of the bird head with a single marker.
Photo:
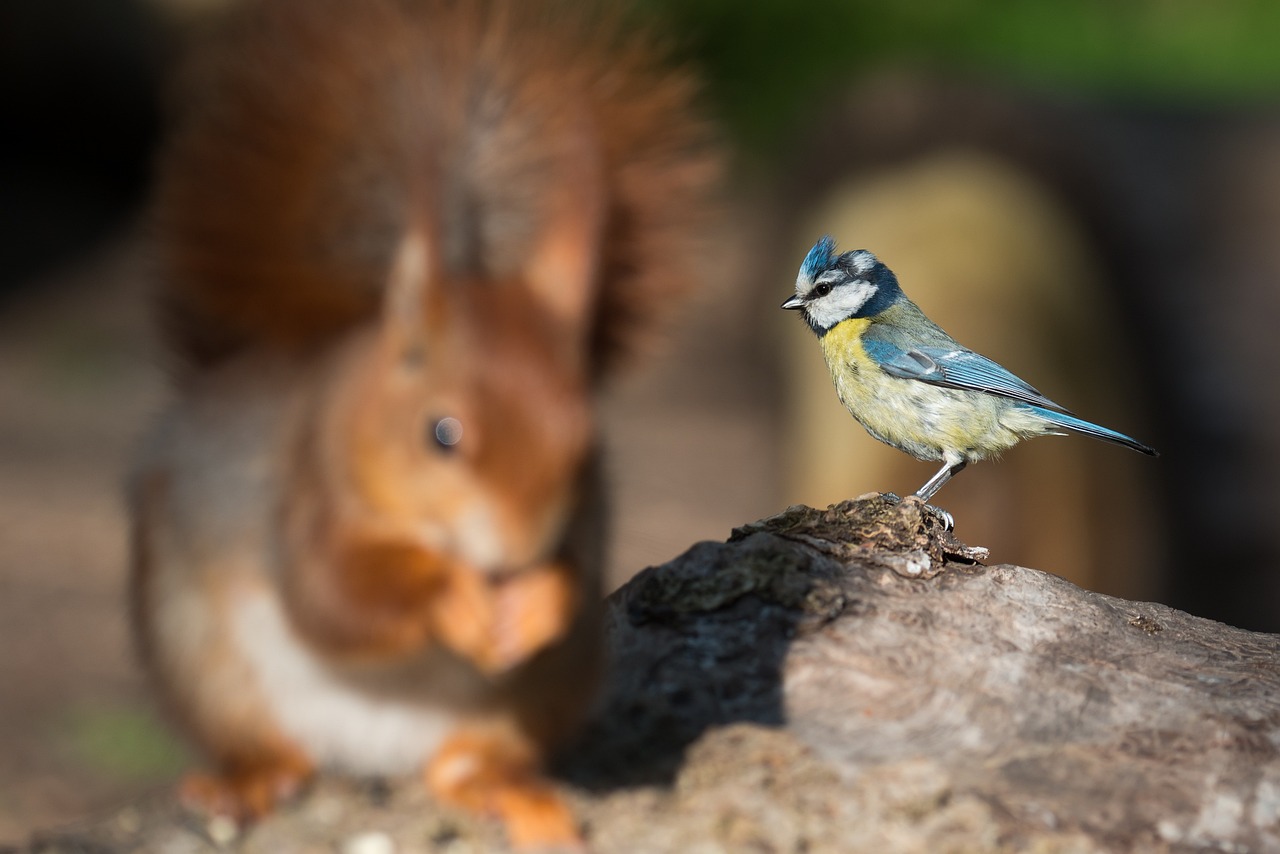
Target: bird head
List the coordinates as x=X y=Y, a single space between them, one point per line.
x=831 y=288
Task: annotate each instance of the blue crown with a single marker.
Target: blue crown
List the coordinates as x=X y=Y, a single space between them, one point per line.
x=820 y=257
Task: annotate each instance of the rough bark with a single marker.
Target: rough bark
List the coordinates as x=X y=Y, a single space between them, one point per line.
x=853 y=680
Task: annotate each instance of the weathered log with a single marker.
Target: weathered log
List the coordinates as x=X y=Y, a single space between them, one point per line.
x=853 y=680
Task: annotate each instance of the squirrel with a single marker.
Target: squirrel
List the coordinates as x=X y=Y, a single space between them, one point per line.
x=401 y=244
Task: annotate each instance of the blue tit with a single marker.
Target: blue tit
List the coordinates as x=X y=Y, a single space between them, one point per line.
x=908 y=382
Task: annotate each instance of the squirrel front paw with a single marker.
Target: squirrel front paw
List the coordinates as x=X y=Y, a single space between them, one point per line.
x=497 y=624
x=533 y=610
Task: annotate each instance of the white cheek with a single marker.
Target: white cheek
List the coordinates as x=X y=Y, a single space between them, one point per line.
x=823 y=315
x=840 y=303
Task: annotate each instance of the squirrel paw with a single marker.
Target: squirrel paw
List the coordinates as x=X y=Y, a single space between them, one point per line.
x=500 y=626
x=496 y=774
x=244 y=793
x=534 y=609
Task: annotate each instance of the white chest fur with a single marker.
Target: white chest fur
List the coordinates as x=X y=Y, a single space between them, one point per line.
x=337 y=724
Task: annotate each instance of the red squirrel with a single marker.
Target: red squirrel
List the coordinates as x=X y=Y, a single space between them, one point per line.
x=401 y=244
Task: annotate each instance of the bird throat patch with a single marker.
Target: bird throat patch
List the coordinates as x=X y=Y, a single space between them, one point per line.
x=845 y=334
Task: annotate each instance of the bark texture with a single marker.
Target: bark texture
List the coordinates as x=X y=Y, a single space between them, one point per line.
x=852 y=679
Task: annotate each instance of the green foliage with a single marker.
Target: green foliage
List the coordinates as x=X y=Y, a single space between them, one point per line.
x=119 y=742
x=772 y=60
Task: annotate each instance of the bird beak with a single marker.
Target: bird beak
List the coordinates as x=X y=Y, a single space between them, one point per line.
x=794 y=302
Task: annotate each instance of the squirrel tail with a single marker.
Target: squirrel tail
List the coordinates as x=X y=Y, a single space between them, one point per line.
x=534 y=139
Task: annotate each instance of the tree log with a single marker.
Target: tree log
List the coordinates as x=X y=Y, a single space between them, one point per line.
x=855 y=680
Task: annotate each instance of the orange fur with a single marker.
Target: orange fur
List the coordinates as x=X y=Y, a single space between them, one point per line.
x=374 y=216
x=245 y=791
x=533 y=609
x=493 y=771
x=489 y=117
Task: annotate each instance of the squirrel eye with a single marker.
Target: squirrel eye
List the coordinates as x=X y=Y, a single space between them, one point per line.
x=823 y=289
x=446 y=433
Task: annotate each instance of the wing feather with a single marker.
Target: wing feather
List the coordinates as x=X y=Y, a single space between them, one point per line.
x=953 y=367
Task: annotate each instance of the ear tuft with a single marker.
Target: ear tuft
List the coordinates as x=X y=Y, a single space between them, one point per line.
x=406 y=309
x=564 y=262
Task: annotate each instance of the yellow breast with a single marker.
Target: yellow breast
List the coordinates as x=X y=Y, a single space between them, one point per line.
x=863 y=388
x=842 y=346
x=922 y=419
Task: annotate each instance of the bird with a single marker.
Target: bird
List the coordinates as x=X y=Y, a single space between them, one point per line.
x=909 y=383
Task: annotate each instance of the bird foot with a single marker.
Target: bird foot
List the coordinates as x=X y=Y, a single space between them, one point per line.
x=947 y=520
x=938 y=513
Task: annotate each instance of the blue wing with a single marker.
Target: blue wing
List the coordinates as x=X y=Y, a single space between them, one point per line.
x=953 y=367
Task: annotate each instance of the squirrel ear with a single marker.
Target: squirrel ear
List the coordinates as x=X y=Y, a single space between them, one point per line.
x=563 y=262
x=405 y=306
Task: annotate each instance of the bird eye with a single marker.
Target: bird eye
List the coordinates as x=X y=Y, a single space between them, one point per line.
x=823 y=289
x=445 y=433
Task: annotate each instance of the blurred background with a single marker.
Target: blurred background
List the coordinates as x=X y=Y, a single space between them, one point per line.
x=1088 y=192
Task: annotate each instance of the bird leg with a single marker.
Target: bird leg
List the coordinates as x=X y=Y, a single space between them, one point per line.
x=931 y=487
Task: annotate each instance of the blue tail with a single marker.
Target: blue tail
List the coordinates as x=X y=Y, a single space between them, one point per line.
x=1070 y=422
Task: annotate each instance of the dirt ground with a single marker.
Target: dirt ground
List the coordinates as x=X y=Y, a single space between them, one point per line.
x=690 y=456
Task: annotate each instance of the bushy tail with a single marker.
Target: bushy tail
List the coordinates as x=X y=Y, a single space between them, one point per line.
x=523 y=137
x=1088 y=428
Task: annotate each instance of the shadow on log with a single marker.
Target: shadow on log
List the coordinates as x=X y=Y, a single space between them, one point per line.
x=851 y=679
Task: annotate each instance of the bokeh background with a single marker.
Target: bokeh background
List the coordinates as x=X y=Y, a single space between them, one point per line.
x=1087 y=191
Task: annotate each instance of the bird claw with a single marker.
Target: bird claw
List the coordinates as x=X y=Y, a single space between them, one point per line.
x=948 y=522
